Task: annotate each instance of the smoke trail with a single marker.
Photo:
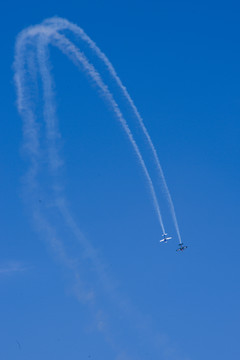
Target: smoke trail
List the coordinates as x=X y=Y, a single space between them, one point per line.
x=63 y=24
x=31 y=47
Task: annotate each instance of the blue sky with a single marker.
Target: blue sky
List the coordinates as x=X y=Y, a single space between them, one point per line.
x=180 y=63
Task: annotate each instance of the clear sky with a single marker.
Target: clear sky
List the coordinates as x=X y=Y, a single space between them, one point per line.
x=180 y=62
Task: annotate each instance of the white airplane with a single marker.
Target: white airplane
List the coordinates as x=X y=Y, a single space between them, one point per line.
x=165 y=238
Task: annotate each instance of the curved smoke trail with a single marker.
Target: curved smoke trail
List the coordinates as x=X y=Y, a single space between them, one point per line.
x=63 y=24
x=32 y=58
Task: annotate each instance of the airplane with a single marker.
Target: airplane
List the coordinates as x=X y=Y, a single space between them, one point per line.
x=165 y=238
x=181 y=247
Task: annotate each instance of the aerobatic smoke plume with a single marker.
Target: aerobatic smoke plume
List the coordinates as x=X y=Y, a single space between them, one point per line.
x=32 y=66
x=62 y=24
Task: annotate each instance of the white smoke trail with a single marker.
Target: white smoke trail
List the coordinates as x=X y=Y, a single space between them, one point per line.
x=38 y=38
x=63 y=24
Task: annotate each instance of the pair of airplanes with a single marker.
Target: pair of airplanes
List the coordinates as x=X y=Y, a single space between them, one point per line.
x=165 y=240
